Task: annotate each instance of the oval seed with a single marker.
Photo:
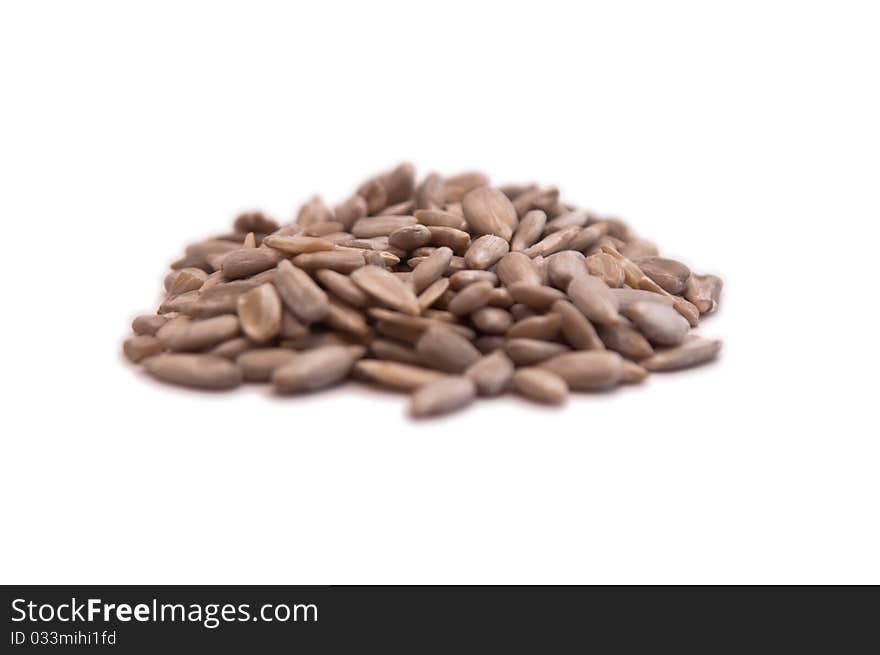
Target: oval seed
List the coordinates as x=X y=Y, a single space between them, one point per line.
x=541 y=385
x=443 y=396
x=200 y=371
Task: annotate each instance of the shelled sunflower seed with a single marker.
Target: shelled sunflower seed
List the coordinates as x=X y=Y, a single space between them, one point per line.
x=448 y=289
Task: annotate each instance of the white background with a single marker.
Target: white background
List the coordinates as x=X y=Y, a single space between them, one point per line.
x=743 y=137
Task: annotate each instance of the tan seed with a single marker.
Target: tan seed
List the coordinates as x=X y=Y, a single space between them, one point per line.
x=396 y=375
x=342 y=286
x=563 y=267
x=671 y=275
x=606 y=268
x=312 y=212
x=410 y=237
x=491 y=374
x=516 y=267
x=350 y=211
x=492 y=320
x=569 y=219
x=316 y=369
x=485 y=251
x=142 y=346
x=540 y=385
x=430 y=295
x=525 y=352
x=300 y=294
x=387 y=289
x=500 y=297
x=231 y=349
x=633 y=373
x=254 y=221
x=536 y=327
x=199 y=335
x=537 y=297
x=576 y=329
x=148 y=324
x=470 y=298
x=395 y=350
x=595 y=300
x=431 y=268
x=295 y=245
x=591 y=370
x=431 y=193
x=704 y=291
x=259 y=364
x=660 y=324
x=695 y=350
x=380 y=226
x=626 y=340
x=437 y=218
x=529 y=230
x=443 y=396
x=552 y=243
x=458 y=240
x=488 y=211
x=445 y=350
x=249 y=261
x=259 y=312
x=341 y=261
x=201 y=371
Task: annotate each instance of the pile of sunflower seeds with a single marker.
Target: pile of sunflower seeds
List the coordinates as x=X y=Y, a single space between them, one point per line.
x=448 y=289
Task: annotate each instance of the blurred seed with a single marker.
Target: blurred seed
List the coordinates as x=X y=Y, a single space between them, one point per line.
x=491 y=374
x=199 y=335
x=492 y=320
x=350 y=211
x=201 y=371
x=500 y=297
x=259 y=364
x=142 y=346
x=525 y=352
x=250 y=241
x=632 y=373
x=148 y=324
x=437 y=218
x=540 y=298
x=471 y=298
x=187 y=279
x=254 y=221
x=591 y=370
x=563 y=267
x=638 y=248
x=570 y=219
x=536 y=327
x=431 y=193
x=316 y=369
x=704 y=291
x=489 y=344
x=300 y=294
x=458 y=240
x=396 y=375
x=342 y=286
x=457 y=186
x=695 y=350
x=312 y=212
x=443 y=396
x=380 y=226
x=430 y=295
x=541 y=385
x=395 y=350
x=431 y=268
x=445 y=350
x=231 y=349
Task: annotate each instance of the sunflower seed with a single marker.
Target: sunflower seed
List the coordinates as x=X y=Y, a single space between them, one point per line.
x=660 y=324
x=201 y=371
x=553 y=243
x=142 y=346
x=632 y=373
x=525 y=352
x=259 y=364
x=576 y=329
x=541 y=385
x=595 y=300
x=254 y=221
x=148 y=324
x=563 y=267
x=470 y=298
x=342 y=286
x=387 y=289
x=300 y=294
x=540 y=298
x=231 y=349
x=625 y=340
x=457 y=186
x=437 y=218
x=396 y=375
x=445 y=350
x=704 y=291
x=458 y=240
x=259 y=312
x=485 y=251
x=606 y=268
x=187 y=279
x=500 y=297
x=491 y=374
x=340 y=260
x=395 y=350
x=668 y=273
x=695 y=350
x=443 y=396
x=517 y=267
x=529 y=230
x=536 y=327
x=431 y=193
x=199 y=335
x=410 y=237
x=249 y=261
x=350 y=211
x=316 y=369
x=380 y=226
x=430 y=295
x=492 y=320
x=587 y=370
x=488 y=211
x=312 y=212
x=295 y=245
